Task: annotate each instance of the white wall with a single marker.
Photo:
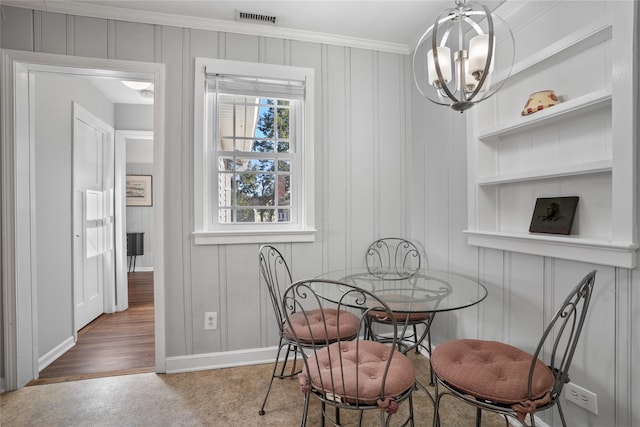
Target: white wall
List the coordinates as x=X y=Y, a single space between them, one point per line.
x=54 y=97
x=388 y=163
x=134 y=117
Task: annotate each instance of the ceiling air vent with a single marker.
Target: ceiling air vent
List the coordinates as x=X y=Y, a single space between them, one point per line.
x=257 y=18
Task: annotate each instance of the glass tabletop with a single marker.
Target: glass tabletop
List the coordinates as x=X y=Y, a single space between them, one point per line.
x=426 y=290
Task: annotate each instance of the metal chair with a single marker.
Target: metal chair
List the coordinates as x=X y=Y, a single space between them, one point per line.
x=503 y=379
x=277 y=276
x=392 y=258
x=356 y=374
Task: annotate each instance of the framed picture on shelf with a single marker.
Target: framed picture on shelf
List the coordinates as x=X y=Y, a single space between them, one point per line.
x=553 y=215
x=139 y=190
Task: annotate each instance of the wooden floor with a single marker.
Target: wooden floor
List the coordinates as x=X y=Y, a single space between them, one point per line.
x=113 y=344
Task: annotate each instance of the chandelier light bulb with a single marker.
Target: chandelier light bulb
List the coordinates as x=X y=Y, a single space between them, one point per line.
x=444 y=62
x=478 y=49
x=455 y=60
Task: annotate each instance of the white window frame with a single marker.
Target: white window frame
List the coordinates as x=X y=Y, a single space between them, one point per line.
x=206 y=231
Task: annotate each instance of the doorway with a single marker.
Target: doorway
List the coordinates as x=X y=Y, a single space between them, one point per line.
x=27 y=259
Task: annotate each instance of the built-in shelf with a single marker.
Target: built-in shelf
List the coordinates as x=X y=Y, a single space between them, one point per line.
x=593 y=250
x=598 y=166
x=605 y=182
x=562 y=111
x=571 y=45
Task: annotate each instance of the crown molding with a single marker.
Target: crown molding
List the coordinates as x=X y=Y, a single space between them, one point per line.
x=157 y=18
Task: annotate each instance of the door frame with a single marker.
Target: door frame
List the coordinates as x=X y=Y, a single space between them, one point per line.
x=17 y=208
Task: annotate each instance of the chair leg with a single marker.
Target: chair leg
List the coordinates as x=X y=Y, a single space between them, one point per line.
x=305 y=411
x=429 y=351
x=274 y=375
x=286 y=360
x=436 y=407
x=415 y=338
x=478 y=417
x=564 y=423
x=411 y=410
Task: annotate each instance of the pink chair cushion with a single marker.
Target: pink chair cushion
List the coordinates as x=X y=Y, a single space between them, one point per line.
x=372 y=359
x=491 y=370
x=309 y=326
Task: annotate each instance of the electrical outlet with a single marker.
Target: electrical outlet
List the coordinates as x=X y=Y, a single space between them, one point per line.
x=210 y=321
x=581 y=397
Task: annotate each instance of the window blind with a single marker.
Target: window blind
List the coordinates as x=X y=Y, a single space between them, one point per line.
x=254 y=86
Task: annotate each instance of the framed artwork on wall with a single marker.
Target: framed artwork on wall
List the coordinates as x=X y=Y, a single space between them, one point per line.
x=553 y=215
x=139 y=190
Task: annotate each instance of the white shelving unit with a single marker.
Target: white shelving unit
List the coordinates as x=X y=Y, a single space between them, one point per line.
x=581 y=147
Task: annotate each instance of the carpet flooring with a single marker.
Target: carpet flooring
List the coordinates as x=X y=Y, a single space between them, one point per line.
x=221 y=397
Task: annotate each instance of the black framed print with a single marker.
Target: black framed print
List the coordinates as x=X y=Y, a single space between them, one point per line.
x=554 y=215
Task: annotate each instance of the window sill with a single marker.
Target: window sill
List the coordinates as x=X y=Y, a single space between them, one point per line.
x=253 y=236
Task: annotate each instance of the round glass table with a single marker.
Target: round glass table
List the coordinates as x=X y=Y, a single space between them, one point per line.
x=424 y=291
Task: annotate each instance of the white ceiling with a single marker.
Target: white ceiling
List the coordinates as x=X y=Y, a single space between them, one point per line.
x=117 y=92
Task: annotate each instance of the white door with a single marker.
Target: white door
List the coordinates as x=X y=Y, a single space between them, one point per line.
x=93 y=222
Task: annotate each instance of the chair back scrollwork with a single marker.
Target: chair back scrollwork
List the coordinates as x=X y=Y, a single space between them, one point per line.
x=560 y=337
x=277 y=276
x=393 y=256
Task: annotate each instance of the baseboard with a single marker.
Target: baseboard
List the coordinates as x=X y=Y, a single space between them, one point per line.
x=55 y=353
x=226 y=359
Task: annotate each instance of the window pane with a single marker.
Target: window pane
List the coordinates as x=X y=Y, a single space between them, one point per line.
x=237 y=116
x=265 y=215
x=284 y=147
x=284 y=215
x=255 y=189
x=224 y=215
x=225 y=144
x=245 y=215
x=284 y=165
x=225 y=192
x=266 y=123
x=226 y=163
x=261 y=165
x=263 y=146
x=284 y=190
x=282 y=125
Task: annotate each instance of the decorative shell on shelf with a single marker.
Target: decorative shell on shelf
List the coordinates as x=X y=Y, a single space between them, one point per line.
x=539 y=101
